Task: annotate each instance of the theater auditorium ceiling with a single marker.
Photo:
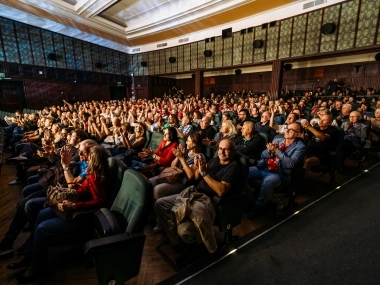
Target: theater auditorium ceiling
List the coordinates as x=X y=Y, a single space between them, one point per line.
x=120 y=24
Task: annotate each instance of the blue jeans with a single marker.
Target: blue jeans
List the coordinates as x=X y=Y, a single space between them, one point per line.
x=33 y=186
x=270 y=181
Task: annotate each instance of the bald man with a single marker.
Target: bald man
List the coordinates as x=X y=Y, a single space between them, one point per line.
x=355 y=131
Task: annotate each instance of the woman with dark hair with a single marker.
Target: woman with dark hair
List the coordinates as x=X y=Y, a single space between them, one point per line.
x=91 y=196
x=163 y=155
x=172 y=121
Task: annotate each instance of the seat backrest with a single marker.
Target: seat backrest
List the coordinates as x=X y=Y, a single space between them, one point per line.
x=117 y=169
x=148 y=137
x=338 y=146
x=156 y=140
x=133 y=202
x=208 y=151
x=264 y=136
x=182 y=141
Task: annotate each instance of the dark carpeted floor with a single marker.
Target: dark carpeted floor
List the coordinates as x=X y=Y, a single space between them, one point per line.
x=335 y=241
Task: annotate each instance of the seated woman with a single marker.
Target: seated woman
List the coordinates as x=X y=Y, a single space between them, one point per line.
x=91 y=196
x=172 y=121
x=134 y=141
x=164 y=154
x=227 y=131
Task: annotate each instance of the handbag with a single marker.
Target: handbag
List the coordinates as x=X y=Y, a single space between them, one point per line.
x=55 y=195
x=170 y=175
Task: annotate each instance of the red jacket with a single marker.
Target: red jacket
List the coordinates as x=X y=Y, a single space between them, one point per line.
x=91 y=194
x=165 y=153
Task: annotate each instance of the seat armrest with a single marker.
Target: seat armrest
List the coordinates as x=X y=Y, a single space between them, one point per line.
x=229 y=200
x=83 y=214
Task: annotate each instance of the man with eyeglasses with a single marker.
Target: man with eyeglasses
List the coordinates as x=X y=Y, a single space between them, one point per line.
x=274 y=168
x=221 y=176
x=354 y=132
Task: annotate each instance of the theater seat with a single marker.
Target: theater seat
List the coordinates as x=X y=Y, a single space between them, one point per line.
x=117 y=252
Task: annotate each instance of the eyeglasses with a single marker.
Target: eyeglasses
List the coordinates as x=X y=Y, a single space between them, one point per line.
x=291 y=130
x=221 y=149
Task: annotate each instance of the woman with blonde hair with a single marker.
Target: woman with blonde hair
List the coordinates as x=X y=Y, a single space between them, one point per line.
x=227 y=131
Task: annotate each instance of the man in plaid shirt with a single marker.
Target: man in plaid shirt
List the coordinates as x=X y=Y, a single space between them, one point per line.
x=186 y=127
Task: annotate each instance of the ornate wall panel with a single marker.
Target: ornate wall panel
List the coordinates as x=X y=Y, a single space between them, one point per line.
x=175 y=54
x=163 y=60
x=127 y=67
x=194 y=56
x=69 y=52
x=180 y=58
x=140 y=69
x=227 y=52
x=87 y=56
x=47 y=39
x=59 y=50
x=135 y=67
x=347 y=25
x=299 y=34
x=110 y=61
x=210 y=60
x=248 y=47
x=331 y=15
x=151 y=62
x=24 y=48
x=78 y=54
x=201 y=56
x=285 y=38
x=218 y=52
x=9 y=41
x=186 y=57
x=37 y=47
x=116 y=61
x=102 y=59
x=367 y=25
x=145 y=70
x=156 y=61
x=168 y=53
x=272 y=42
x=237 y=49
x=259 y=53
x=313 y=32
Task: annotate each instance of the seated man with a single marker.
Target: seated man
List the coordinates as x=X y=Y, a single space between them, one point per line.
x=322 y=140
x=249 y=143
x=264 y=127
x=355 y=131
x=220 y=176
x=274 y=167
x=243 y=116
x=186 y=128
x=205 y=129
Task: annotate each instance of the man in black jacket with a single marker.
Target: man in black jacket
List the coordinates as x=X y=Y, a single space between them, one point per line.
x=249 y=143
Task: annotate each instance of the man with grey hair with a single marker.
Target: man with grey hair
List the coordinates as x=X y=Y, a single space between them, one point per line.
x=186 y=127
x=354 y=132
x=205 y=129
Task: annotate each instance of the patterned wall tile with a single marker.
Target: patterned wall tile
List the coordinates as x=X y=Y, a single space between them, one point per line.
x=9 y=41
x=87 y=59
x=237 y=48
x=248 y=48
x=37 y=47
x=259 y=53
x=157 y=62
x=180 y=58
x=210 y=59
x=186 y=58
x=116 y=60
x=151 y=62
x=47 y=39
x=367 y=25
x=135 y=65
x=110 y=61
x=125 y=63
x=285 y=38
x=139 y=60
x=69 y=52
x=175 y=54
x=168 y=53
x=78 y=54
x=331 y=15
x=227 y=52
x=201 y=56
x=272 y=42
x=347 y=25
x=218 y=62
x=144 y=70
x=298 y=37
x=163 y=61
x=24 y=47
x=194 y=56
x=313 y=32
x=102 y=59
x=59 y=50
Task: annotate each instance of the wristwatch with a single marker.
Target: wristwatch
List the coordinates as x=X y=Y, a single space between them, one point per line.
x=203 y=174
x=66 y=169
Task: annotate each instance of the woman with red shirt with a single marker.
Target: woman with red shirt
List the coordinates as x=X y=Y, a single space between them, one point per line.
x=91 y=196
x=164 y=154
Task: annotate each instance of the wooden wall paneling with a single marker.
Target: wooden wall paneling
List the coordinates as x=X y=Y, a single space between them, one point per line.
x=372 y=68
x=116 y=62
x=9 y=41
x=163 y=61
x=69 y=52
x=168 y=53
x=330 y=15
x=186 y=57
x=299 y=35
x=59 y=50
x=285 y=38
x=194 y=55
x=344 y=70
x=331 y=72
x=174 y=53
x=89 y=52
x=23 y=43
x=237 y=51
x=143 y=57
x=200 y=57
x=313 y=32
x=372 y=81
x=272 y=42
x=124 y=64
x=210 y=60
x=180 y=58
x=218 y=58
x=259 y=53
x=227 y=52
x=368 y=23
x=78 y=53
x=247 y=48
x=347 y=25
x=357 y=69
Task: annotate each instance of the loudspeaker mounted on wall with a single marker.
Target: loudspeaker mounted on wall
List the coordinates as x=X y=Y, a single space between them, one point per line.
x=207 y=40
x=99 y=65
x=172 y=59
x=144 y=64
x=328 y=28
x=258 y=43
x=288 y=66
x=52 y=56
x=272 y=24
x=207 y=53
x=377 y=57
x=243 y=31
x=212 y=39
x=237 y=71
x=250 y=30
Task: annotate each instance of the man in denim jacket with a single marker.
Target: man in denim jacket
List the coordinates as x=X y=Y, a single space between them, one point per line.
x=275 y=165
